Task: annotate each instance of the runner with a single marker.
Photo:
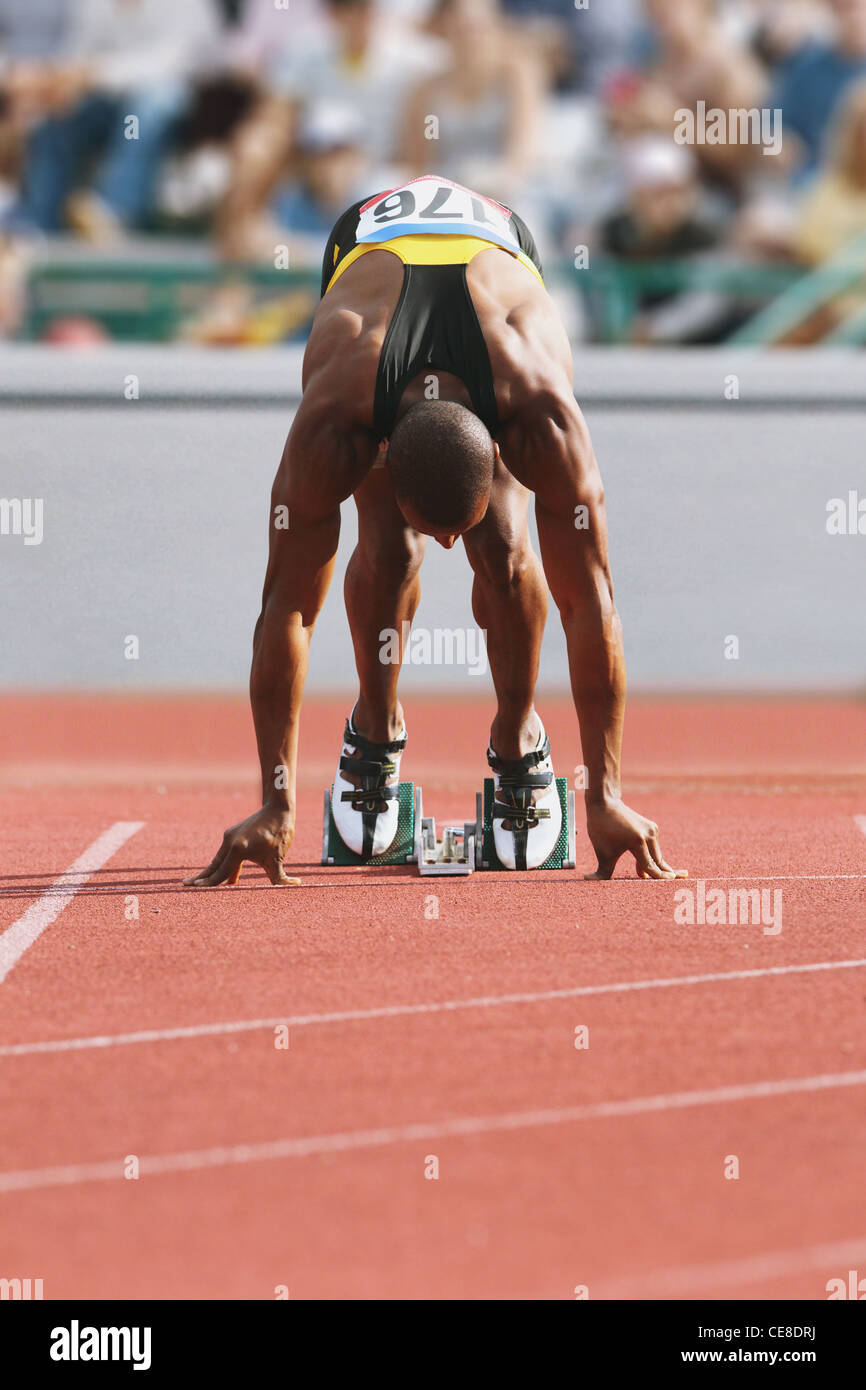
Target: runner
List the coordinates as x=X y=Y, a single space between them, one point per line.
x=437 y=390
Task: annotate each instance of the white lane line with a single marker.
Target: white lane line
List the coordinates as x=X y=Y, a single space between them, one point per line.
x=407 y=880
x=769 y=878
x=836 y=1258
x=317 y=1144
x=206 y=1030
x=860 y=822
x=15 y=940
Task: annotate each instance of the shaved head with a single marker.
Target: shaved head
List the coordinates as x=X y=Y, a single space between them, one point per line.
x=441 y=459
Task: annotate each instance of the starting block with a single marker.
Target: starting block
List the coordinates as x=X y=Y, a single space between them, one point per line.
x=402 y=849
x=459 y=850
x=563 y=854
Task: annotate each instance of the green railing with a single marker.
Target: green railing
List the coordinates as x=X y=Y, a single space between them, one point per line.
x=614 y=289
x=148 y=302
x=141 y=301
x=851 y=332
x=808 y=295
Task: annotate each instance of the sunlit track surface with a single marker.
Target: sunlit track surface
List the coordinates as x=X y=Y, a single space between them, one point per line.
x=539 y=1083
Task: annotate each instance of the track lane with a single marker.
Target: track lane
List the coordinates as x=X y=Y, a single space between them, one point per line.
x=513 y=1214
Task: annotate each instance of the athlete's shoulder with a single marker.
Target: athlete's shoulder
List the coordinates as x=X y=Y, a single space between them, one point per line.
x=340 y=364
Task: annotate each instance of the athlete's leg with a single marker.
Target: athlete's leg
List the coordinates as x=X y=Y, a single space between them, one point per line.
x=509 y=600
x=382 y=590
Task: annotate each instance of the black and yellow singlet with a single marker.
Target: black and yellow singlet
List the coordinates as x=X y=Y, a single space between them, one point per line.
x=436 y=228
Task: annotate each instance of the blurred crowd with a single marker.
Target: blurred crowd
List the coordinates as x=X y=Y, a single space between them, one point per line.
x=254 y=123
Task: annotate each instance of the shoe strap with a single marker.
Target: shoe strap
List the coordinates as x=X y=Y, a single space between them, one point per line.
x=374 y=751
x=525 y=779
x=514 y=768
x=368 y=798
x=520 y=815
x=367 y=767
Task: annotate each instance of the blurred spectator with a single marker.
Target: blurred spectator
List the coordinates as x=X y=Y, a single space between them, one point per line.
x=834 y=212
x=333 y=172
x=779 y=28
x=691 y=59
x=368 y=59
x=831 y=218
x=258 y=149
x=264 y=134
x=696 y=60
x=546 y=29
x=813 y=80
x=359 y=57
x=606 y=40
x=197 y=175
x=13 y=267
x=661 y=219
x=582 y=47
x=31 y=29
x=121 y=59
x=265 y=34
x=477 y=121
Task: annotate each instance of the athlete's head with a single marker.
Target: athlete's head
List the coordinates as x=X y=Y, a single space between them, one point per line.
x=441 y=459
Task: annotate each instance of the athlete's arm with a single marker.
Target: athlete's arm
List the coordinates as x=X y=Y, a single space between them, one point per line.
x=324 y=460
x=547 y=446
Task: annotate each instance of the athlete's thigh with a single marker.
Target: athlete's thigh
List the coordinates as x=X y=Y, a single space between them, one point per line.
x=384 y=535
x=504 y=526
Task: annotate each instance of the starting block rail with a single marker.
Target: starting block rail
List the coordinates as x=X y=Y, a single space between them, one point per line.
x=451 y=854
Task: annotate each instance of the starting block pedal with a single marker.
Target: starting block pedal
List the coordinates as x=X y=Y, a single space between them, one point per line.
x=402 y=849
x=563 y=854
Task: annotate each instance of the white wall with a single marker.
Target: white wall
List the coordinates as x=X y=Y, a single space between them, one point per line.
x=156 y=514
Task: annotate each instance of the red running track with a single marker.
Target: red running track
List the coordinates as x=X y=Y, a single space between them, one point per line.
x=417 y=1039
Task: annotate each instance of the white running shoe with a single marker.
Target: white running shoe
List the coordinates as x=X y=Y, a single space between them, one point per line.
x=366 y=816
x=527 y=813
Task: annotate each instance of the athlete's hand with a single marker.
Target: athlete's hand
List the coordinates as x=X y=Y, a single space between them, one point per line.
x=264 y=838
x=614 y=829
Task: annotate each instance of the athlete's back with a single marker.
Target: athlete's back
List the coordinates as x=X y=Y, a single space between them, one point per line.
x=433 y=278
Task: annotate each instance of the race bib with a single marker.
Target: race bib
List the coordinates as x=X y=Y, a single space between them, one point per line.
x=435 y=205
